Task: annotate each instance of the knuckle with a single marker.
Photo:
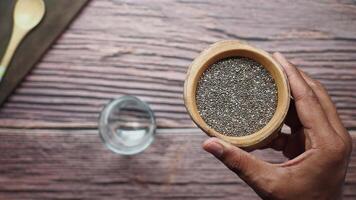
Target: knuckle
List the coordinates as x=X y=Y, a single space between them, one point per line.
x=339 y=150
x=311 y=96
x=308 y=95
x=348 y=148
x=236 y=162
x=318 y=85
x=272 y=191
x=272 y=187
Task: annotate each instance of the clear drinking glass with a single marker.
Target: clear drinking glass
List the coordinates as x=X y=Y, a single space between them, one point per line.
x=127 y=125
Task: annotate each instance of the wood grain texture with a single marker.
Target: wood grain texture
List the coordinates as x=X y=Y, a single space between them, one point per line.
x=144 y=49
x=36 y=42
x=62 y=164
x=48 y=140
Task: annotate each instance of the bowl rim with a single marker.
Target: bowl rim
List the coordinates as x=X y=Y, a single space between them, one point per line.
x=198 y=66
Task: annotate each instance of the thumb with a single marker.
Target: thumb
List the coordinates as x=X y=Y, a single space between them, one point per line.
x=253 y=171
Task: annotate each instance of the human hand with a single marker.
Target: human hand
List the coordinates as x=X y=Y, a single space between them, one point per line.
x=318 y=147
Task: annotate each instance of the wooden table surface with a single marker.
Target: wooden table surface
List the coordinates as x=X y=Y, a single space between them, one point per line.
x=49 y=143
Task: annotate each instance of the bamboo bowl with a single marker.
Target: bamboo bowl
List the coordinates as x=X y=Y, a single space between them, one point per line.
x=231 y=48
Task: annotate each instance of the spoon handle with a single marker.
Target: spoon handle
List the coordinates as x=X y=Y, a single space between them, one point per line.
x=16 y=37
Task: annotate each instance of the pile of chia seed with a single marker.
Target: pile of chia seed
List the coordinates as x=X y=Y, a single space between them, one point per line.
x=236 y=96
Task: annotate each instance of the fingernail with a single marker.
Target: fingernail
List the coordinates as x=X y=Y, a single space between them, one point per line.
x=214 y=147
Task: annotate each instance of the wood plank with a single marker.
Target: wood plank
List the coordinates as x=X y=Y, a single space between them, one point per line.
x=74 y=164
x=36 y=42
x=144 y=48
x=48 y=140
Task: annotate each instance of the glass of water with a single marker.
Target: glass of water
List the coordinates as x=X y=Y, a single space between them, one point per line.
x=127 y=125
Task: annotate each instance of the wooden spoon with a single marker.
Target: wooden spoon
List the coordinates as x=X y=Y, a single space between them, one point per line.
x=27 y=15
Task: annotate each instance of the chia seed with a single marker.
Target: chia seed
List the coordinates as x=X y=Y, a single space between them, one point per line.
x=236 y=96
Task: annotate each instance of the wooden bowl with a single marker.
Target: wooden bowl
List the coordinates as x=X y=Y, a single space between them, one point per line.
x=231 y=48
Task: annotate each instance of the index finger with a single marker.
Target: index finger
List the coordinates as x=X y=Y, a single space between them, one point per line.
x=309 y=110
